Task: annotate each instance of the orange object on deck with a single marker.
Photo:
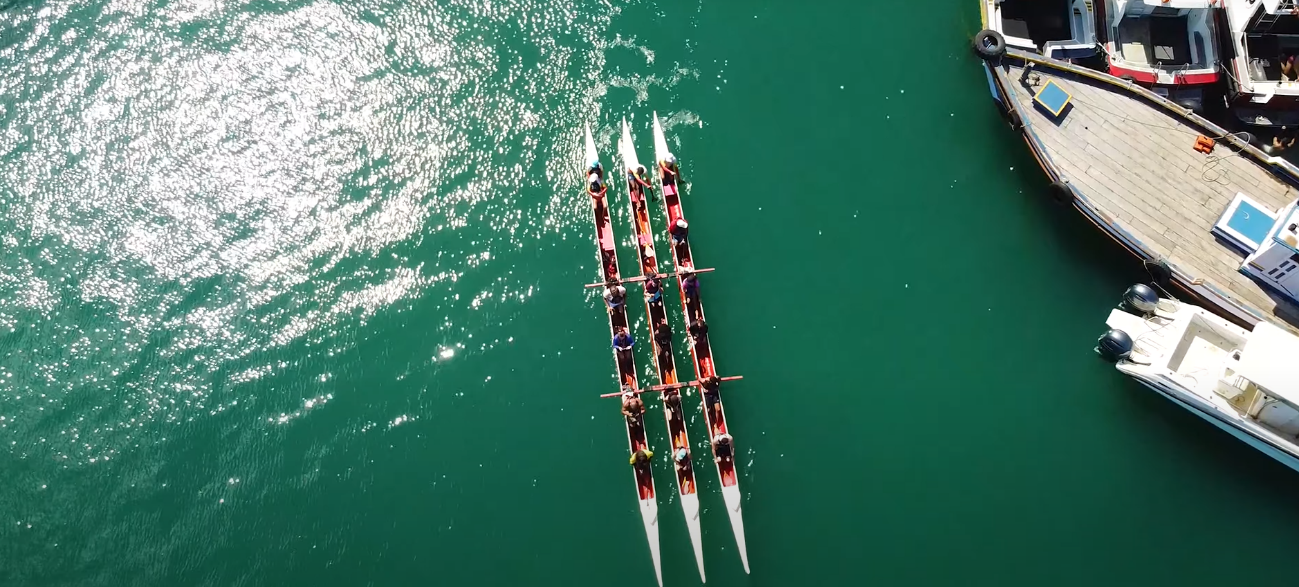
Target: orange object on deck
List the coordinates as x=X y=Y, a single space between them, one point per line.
x=1204 y=144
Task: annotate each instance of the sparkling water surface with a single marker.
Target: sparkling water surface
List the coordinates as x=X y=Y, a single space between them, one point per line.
x=290 y=293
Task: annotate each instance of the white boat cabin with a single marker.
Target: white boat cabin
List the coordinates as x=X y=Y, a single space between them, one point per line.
x=1063 y=29
x=1168 y=42
x=1263 y=33
x=1275 y=261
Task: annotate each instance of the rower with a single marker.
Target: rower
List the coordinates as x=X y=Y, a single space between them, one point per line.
x=641 y=176
x=681 y=456
x=594 y=186
x=623 y=340
x=672 y=398
x=642 y=456
x=698 y=330
x=614 y=295
x=689 y=283
x=712 y=387
x=663 y=334
x=722 y=447
x=653 y=290
x=632 y=180
x=679 y=230
x=668 y=166
x=632 y=405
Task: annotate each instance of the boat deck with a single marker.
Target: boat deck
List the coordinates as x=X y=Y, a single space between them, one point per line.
x=1157 y=39
x=1133 y=162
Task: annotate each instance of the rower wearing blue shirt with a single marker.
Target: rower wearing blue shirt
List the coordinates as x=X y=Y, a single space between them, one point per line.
x=623 y=341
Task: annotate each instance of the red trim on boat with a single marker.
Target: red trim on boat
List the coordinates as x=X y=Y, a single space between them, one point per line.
x=1150 y=77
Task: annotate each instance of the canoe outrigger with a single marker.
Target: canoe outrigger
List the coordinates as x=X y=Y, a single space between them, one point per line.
x=637 y=184
x=636 y=438
x=700 y=350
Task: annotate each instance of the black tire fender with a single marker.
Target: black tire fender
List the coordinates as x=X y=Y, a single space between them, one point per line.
x=1061 y=193
x=989 y=44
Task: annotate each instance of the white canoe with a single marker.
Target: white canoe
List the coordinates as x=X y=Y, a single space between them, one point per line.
x=689 y=498
x=731 y=493
x=649 y=509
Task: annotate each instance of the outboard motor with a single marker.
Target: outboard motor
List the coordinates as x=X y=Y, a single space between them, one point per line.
x=1114 y=346
x=1140 y=300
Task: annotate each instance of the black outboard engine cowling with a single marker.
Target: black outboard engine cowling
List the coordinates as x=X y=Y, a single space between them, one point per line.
x=1114 y=346
x=1140 y=300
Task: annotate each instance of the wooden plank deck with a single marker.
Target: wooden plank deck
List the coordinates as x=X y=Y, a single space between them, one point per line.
x=1135 y=163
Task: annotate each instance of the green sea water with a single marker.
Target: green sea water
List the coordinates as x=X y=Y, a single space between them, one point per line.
x=290 y=294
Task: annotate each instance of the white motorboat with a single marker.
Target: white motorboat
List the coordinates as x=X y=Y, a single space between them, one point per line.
x=1263 y=33
x=1169 y=44
x=1062 y=29
x=1245 y=382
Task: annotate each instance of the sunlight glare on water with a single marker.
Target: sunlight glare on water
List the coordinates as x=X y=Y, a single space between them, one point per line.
x=191 y=187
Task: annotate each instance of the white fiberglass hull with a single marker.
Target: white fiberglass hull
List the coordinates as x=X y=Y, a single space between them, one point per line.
x=732 y=496
x=689 y=501
x=690 y=505
x=591 y=154
x=627 y=148
x=649 y=509
x=1235 y=427
x=649 y=512
x=660 y=141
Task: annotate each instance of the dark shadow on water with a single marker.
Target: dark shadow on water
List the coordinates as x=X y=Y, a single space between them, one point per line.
x=1085 y=246
x=1203 y=441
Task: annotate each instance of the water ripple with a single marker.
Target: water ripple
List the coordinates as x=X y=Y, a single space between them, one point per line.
x=190 y=185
